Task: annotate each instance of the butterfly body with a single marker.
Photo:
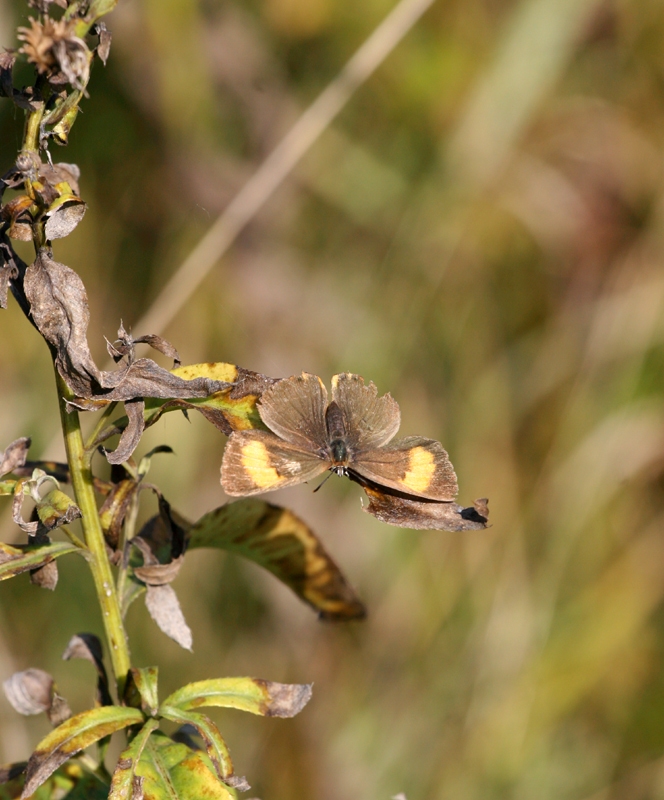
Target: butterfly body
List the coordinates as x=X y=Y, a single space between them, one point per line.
x=351 y=435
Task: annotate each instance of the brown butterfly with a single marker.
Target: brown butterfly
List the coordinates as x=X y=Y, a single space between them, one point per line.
x=351 y=435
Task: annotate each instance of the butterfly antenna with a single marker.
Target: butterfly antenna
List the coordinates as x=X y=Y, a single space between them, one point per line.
x=323 y=481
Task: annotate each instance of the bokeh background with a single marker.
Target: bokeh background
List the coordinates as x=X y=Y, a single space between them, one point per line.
x=480 y=232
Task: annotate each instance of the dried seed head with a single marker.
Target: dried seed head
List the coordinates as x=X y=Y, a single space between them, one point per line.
x=55 y=51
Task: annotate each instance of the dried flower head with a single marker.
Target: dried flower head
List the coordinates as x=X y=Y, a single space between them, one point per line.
x=56 y=51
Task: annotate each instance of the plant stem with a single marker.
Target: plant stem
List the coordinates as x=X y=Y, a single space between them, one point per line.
x=81 y=478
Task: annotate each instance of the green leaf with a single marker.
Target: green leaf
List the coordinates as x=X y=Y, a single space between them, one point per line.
x=267 y=698
x=7 y=487
x=173 y=771
x=141 y=689
x=14 y=560
x=74 y=735
x=283 y=544
x=215 y=745
x=122 y=785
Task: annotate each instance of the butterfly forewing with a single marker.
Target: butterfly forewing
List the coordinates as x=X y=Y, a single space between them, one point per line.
x=415 y=466
x=371 y=421
x=294 y=409
x=258 y=461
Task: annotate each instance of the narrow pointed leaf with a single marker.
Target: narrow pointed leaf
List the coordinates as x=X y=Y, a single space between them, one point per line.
x=283 y=544
x=122 y=785
x=172 y=771
x=141 y=689
x=72 y=736
x=14 y=560
x=267 y=698
x=215 y=745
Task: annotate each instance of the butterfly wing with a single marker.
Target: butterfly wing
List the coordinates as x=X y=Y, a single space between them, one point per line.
x=370 y=421
x=294 y=409
x=258 y=461
x=415 y=466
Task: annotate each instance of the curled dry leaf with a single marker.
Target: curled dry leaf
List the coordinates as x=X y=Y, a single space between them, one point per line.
x=8 y=268
x=45 y=577
x=125 y=346
x=17 y=214
x=14 y=455
x=17 y=505
x=114 y=510
x=104 y=46
x=29 y=692
x=33 y=691
x=59 y=309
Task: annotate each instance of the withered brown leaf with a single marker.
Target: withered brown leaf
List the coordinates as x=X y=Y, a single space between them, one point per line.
x=59 y=308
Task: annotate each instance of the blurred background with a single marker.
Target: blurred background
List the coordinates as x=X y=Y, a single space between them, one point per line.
x=480 y=232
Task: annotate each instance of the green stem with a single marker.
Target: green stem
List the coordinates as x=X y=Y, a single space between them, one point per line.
x=81 y=478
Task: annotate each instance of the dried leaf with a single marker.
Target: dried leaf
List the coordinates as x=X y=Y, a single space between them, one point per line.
x=407 y=512
x=59 y=309
x=17 y=506
x=164 y=608
x=114 y=510
x=104 y=46
x=45 y=577
x=59 y=173
x=8 y=269
x=33 y=692
x=17 y=212
x=165 y=534
x=283 y=544
x=64 y=217
x=159 y=574
x=14 y=455
x=88 y=647
x=29 y=692
x=131 y=435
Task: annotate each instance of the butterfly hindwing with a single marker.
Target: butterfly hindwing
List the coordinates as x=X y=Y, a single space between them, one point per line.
x=294 y=409
x=415 y=466
x=258 y=461
x=371 y=421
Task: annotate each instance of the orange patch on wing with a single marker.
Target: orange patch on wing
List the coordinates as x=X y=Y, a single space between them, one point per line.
x=421 y=468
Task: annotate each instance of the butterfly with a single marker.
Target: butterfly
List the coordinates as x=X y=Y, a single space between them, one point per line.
x=350 y=435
